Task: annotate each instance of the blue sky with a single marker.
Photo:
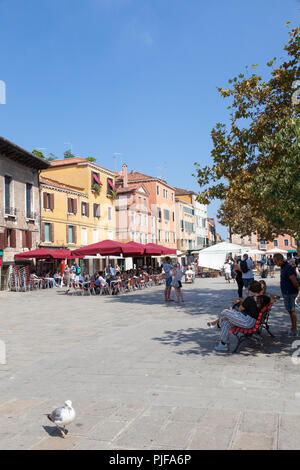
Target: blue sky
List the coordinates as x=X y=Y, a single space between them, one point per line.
x=131 y=77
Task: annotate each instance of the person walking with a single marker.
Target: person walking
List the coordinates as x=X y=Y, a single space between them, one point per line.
x=239 y=278
x=168 y=268
x=246 y=265
x=227 y=271
x=290 y=289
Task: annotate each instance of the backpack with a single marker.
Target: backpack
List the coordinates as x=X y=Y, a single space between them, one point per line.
x=77 y=270
x=244 y=266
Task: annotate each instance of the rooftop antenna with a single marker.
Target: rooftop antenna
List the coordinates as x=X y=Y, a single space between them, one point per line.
x=161 y=168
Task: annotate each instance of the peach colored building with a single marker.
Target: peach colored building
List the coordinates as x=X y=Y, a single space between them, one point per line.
x=134 y=221
x=161 y=203
x=282 y=242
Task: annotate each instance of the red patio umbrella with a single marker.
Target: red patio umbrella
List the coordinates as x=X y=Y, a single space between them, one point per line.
x=61 y=253
x=133 y=249
x=158 y=250
x=105 y=248
x=40 y=253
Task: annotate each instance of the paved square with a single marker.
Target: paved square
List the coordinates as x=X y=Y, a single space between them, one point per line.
x=142 y=374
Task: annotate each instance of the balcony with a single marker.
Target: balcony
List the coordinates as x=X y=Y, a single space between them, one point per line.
x=31 y=216
x=10 y=212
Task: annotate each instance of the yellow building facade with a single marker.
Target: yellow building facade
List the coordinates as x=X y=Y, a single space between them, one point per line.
x=77 y=204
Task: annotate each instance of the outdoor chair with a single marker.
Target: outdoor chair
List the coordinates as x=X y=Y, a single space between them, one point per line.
x=254 y=333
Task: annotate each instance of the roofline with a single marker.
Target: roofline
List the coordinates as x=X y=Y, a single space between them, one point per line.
x=85 y=163
x=41 y=163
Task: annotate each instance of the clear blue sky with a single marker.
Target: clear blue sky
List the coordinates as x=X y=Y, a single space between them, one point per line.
x=136 y=77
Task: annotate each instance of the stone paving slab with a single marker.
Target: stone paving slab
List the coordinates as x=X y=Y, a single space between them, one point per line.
x=143 y=374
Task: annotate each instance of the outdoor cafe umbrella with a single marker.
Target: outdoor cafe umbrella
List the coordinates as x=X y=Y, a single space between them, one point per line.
x=40 y=253
x=158 y=250
x=276 y=250
x=133 y=249
x=106 y=248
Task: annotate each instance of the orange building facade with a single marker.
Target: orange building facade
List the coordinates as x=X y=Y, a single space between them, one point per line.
x=161 y=197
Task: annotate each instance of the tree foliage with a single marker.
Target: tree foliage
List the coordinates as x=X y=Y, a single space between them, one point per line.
x=69 y=154
x=255 y=170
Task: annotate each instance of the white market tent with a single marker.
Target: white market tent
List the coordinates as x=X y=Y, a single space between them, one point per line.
x=256 y=252
x=214 y=256
x=276 y=250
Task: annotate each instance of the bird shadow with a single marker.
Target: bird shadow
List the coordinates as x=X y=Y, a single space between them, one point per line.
x=53 y=431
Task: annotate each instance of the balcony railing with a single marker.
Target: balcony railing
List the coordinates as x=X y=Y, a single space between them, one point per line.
x=10 y=211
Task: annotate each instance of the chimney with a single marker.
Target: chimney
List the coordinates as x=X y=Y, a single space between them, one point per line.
x=125 y=176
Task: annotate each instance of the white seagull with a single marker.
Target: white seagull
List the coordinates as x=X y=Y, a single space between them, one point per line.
x=62 y=416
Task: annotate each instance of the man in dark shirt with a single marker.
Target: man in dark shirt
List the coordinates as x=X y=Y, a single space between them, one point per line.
x=290 y=289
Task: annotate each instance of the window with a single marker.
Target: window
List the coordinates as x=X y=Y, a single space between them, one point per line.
x=159 y=235
x=71 y=234
x=167 y=237
x=133 y=236
x=146 y=238
x=111 y=189
x=153 y=222
x=109 y=213
x=153 y=238
x=96 y=181
x=47 y=237
x=96 y=210
x=165 y=192
x=157 y=190
x=286 y=242
x=83 y=236
x=145 y=202
x=140 y=220
x=132 y=218
x=140 y=201
x=7 y=183
x=275 y=243
x=166 y=214
x=182 y=225
x=29 y=214
x=141 y=238
x=173 y=197
x=72 y=206
x=95 y=235
x=110 y=235
x=85 y=209
x=173 y=216
x=159 y=213
x=188 y=210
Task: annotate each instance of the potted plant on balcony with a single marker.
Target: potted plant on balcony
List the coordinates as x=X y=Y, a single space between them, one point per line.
x=113 y=193
x=96 y=188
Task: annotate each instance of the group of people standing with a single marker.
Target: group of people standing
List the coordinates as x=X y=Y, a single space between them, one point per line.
x=241 y=270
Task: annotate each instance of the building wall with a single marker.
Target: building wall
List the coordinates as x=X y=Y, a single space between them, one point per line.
x=185 y=223
x=18 y=222
x=282 y=242
x=166 y=229
x=201 y=226
x=81 y=176
x=133 y=218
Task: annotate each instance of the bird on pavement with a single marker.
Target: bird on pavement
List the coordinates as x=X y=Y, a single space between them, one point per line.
x=62 y=416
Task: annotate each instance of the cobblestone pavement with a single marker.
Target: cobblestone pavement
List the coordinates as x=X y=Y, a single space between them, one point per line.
x=143 y=374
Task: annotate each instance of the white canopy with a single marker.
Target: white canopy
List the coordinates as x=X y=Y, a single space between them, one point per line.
x=256 y=252
x=276 y=250
x=214 y=256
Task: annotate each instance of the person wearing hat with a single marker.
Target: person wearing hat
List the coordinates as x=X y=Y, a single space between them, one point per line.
x=246 y=265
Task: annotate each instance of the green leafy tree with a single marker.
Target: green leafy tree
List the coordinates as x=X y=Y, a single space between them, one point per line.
x=91 y=159
x=255 y=170
x=69 y=154
x=38 y=153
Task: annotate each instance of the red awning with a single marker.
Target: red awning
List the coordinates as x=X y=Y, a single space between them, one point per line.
x=112 y=185
x=105 y=248
x=40 y=253
x=95 y=176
